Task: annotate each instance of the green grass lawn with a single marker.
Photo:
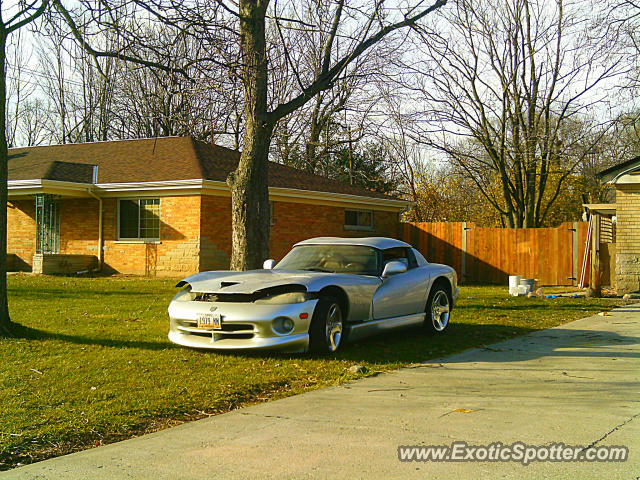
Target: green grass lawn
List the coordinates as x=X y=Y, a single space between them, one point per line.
x=91 y=363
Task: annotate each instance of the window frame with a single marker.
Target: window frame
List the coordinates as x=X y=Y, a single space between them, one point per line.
x=409 y=255
x=139 y=239
x=359 y=227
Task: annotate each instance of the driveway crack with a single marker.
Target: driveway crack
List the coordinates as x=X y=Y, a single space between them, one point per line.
x=616 y=428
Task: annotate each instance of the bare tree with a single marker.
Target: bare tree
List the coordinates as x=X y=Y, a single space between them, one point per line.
x=31 y=128
x=351 y=32
x=502 y=85
x=12 y=19
x=623 y=18
x=408 y=157
x=53 y=58
x=95 y=99
x=20 y=88
x=250 y=206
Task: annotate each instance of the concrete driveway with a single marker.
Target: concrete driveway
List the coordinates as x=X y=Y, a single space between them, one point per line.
x=578 y=384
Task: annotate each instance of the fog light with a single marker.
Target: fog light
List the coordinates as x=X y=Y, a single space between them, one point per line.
x=282 y=325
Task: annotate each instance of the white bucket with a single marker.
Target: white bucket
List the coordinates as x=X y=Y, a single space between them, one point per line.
x=514 y=283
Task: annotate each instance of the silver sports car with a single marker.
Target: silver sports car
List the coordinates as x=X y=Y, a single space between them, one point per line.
x=322 y=292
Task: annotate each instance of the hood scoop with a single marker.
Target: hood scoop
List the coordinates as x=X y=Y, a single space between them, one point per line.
x=228 y=284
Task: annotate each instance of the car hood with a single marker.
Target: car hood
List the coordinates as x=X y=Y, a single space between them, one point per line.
x=254 y=280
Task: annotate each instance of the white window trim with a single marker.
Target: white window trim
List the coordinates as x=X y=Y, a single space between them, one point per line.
x=359 y=227
x=136 y=239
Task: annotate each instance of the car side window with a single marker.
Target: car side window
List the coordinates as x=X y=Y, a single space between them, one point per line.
x=413 y=263
x=401 y=254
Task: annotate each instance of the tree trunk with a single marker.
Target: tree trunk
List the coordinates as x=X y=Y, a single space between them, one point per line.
x=250 y=210
x=5 y=321
x=315 y=131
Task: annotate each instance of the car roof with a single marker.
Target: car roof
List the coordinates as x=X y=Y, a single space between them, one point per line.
x=381 y=243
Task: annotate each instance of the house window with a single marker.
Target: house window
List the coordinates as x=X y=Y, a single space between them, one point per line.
x=358 y=219
x=139 y=219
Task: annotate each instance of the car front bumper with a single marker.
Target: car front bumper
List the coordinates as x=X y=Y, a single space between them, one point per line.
x=244 y=325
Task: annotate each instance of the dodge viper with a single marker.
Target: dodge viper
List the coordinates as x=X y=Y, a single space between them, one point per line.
x=323 y=292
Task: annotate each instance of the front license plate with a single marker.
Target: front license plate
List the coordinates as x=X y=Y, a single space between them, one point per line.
x=210 y=320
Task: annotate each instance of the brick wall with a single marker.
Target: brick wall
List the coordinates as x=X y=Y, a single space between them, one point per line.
x=292 y=223
x=21 y=228
x=628 y=238
x=295 y=222
x=195 y=232
x=177 y=252
x=215 y=233
x=78 y=226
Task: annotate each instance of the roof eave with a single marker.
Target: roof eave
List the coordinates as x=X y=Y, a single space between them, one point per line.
x=197 y=185
x=601 y=208
x=26 y=188
x=614 y=174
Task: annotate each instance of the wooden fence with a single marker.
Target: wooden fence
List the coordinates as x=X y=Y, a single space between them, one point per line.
x=490 y=255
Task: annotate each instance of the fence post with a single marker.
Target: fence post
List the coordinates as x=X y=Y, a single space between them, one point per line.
x=576 y=252
x=463 y=259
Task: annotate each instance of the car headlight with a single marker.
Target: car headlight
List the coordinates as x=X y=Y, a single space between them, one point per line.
x=184 y=295
x=284 y=298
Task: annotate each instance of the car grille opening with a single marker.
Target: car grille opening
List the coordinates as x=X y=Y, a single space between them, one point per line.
x=201 y=334
x=235 y=327
x=220 y=334
x=226 y=297
x=242 y=336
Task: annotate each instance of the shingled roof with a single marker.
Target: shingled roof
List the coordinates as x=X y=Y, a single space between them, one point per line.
x=613 y=173
x=155 y=160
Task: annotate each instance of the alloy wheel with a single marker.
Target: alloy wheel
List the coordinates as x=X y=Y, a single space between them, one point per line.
x=440 y=310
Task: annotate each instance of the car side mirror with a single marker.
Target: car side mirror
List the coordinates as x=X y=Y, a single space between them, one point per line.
x=269 y=264
x=394 y=267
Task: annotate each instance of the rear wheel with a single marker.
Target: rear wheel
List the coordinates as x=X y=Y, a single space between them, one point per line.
x=326 y=332
x=438 y=311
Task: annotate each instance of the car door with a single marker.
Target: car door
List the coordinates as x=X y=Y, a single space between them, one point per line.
x=402 y=294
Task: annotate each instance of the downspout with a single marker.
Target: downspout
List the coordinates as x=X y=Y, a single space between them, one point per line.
x=90 y=191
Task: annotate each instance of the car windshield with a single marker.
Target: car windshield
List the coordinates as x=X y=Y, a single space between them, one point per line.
x=359 y=260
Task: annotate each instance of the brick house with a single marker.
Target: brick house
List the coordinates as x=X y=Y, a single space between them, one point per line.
x=626 y=180
x=162 y=207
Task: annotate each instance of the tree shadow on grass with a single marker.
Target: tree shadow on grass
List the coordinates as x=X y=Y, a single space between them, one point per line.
x=28 y=333
x=414 y=347
x=404 y=345
x=58 y=293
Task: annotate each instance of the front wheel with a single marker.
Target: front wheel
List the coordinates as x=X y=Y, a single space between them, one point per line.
x=438 y=310
x=326 y=332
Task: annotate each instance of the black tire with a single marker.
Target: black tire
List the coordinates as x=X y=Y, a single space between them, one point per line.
x=437 y=319
x=327 y=330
